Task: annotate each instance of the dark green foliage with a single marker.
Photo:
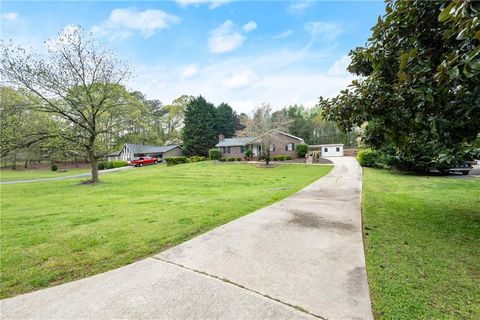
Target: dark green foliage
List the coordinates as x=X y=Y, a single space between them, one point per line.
x=301 y=149
x=226 y=120
x=248 y=153
x=223 y=159
x=288 y=157
x=420 y=93
x=101 y=165
x=118 y=164
x=197 y=158
x=374 y=158
x=54 y=167
x=368 y=157
x=238 y=159
x=171 y=161
x=231 y=159
x=280 y=157
x=199 y=133
x=214 y=154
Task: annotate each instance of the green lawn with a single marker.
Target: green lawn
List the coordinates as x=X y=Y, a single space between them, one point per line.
x=9 y=175
x=54 y=232
x=422 y=238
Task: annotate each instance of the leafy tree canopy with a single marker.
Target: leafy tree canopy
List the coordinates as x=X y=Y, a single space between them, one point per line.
x=419 y=85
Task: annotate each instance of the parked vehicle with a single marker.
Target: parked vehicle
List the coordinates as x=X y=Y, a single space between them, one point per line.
x=464 y=169
x=140 y=162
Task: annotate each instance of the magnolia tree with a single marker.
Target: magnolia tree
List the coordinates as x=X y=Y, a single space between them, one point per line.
x=78 y=81
x=263 y=125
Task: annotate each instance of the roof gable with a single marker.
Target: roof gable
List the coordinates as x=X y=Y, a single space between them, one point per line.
x=139 y=148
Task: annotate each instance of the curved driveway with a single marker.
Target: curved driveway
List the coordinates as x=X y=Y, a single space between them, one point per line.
x=300 y=258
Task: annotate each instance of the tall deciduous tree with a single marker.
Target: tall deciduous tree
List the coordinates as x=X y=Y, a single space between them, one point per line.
x=263 y=125
x=77 y=80
x=419 y=90
x=199 y=132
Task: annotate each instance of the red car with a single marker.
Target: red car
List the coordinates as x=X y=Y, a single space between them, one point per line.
x=140 y=162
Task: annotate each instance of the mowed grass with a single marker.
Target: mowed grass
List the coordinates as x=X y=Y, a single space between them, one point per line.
x=10 y=175
x=54 y=232
x=422 y=239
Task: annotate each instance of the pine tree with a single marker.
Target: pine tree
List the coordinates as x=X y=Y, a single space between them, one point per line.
x=225 y=120
x=199 y=133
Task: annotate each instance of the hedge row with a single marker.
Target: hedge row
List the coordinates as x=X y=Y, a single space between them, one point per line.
x=197 y=158
x=111 y=164
x=282 y=157
x=171 y=161
x=231 y=159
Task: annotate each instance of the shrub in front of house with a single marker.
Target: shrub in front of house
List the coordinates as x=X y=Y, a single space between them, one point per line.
x=214 y=154
x=223 y=159
x=119 y=164
x=248 y=154
x=101 y=165
x=238 y=159
x=280 y=157
x=197 y=158
x=288 y=157
x=54 y=167
x=171 y=161
x=301 y=149
x=109 y=165
x=231 y=159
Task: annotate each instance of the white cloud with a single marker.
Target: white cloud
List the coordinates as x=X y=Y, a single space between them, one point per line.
x=323 y=31
x=249 y=26
x=299 y=6
x=339 y=67
x=123 y=23
x=225 y=38
x=189 y=72
x=9 y=16
x=280 y=78
x=212 y=4
x=239 y=80
x=283 y=35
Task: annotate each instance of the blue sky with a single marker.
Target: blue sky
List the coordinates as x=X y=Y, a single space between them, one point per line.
x=241 y=52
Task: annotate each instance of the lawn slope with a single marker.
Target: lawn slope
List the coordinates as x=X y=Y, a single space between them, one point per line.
x=54 y=232
x=422 y=242
x=11 y=175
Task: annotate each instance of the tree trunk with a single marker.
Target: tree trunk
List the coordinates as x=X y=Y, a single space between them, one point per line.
x=26 y=164
x=76 y=162
x=93 y=159
x=14 y=166
x=267 y=159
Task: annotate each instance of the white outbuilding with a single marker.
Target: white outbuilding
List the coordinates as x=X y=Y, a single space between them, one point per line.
x=332 y=150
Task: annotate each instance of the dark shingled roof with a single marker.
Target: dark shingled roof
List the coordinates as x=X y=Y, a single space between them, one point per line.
x=138 y=148
x=233 y=142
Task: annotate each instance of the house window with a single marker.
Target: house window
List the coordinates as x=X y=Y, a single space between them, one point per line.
x=338 y=149
x=272 y=148
x=289 y=147
x=226 y=150
x=242 y=149
x=325 y=149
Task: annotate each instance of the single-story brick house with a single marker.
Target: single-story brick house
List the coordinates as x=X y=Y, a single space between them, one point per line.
x=132 y=151
x=235 y=147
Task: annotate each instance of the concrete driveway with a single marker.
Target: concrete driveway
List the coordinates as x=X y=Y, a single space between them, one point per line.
x=300 y=258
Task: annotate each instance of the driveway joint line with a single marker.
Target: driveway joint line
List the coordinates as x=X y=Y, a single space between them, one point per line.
x=298 y=308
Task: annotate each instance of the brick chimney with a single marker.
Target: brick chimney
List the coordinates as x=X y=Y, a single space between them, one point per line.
x=221 y=137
